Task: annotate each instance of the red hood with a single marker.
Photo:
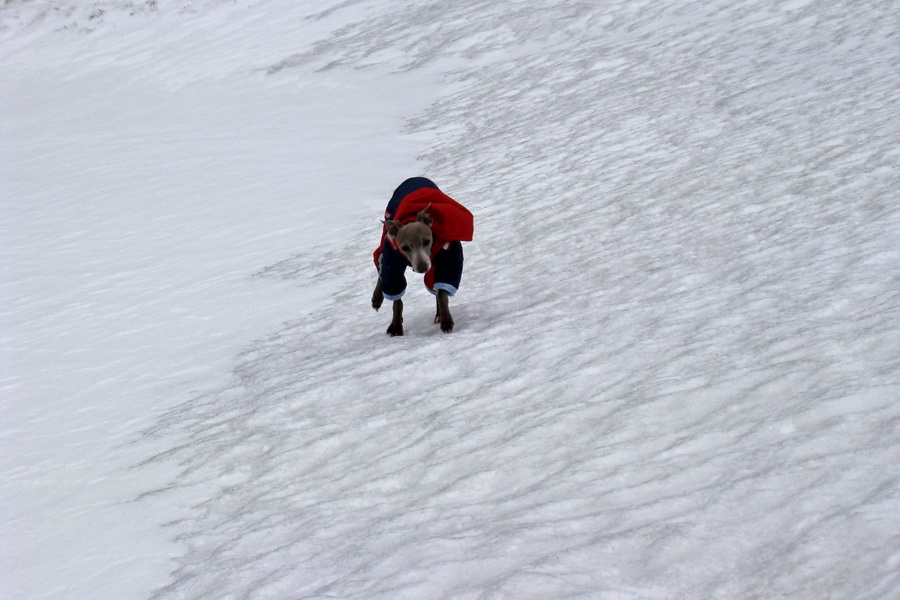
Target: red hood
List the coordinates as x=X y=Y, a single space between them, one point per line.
x=451 y=221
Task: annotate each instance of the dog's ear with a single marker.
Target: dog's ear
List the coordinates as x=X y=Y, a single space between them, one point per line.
x=424 y=216
x=392 y=226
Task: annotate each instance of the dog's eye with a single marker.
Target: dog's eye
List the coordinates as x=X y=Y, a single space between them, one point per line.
x=426 y=242
x=405 y=248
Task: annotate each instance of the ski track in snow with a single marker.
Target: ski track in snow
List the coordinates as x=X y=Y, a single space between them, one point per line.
x=677 y=359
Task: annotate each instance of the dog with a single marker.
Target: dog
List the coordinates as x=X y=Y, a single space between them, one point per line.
x=423 y=229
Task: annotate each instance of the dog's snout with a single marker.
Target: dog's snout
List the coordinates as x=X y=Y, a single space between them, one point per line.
x=422 y=267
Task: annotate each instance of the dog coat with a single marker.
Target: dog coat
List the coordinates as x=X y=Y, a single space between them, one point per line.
x=451 y=224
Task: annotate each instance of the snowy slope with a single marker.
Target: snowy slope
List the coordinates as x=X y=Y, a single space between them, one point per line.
x=148 y=174
x=677 y=354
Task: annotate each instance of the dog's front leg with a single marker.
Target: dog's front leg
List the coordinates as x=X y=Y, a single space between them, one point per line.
x=443 y=315
x=396 y=326
x=377 y=296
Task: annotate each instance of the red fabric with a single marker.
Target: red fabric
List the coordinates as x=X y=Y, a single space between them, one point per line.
x=451 y=221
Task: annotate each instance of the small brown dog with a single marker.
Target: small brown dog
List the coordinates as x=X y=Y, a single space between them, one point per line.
x=415 y=241
x=423 y=228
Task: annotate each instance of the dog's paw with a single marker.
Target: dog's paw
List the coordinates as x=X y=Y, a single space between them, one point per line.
x=377 y=301
x=394 y=330
x=447 y=325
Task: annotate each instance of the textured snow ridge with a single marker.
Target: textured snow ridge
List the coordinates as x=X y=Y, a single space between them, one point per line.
x=82 y=15
x=677 y=358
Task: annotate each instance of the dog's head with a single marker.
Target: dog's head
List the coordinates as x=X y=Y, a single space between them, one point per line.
x=414 y=239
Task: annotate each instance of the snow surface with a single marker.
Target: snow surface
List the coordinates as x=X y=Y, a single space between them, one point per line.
x=676 y=365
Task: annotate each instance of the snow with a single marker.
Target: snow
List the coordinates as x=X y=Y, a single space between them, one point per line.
x=677 y=354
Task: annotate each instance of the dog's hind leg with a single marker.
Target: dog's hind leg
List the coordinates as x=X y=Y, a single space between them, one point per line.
x=396 y=326
x=377 y=296
x=443 y=315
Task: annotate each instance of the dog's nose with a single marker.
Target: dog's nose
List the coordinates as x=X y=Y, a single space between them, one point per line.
x=421 y=268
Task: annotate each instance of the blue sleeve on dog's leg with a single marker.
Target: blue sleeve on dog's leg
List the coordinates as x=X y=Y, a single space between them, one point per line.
x=393 y=274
